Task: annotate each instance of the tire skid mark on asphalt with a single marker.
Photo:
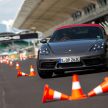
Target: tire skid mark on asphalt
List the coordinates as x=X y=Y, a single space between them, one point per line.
x=3 y=99
x=3 y=94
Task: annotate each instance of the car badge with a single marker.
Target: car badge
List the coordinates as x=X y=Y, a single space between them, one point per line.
x=66 y=51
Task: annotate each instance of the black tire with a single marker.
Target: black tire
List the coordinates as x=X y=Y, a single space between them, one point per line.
x=106 y=64
x=45 y=74
x=105 y=67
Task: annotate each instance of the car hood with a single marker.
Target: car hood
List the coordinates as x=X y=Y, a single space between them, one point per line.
x=75 y=47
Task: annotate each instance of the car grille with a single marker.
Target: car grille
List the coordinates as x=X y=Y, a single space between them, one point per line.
x=69 y=65
x=48 y=65
x=92 y=61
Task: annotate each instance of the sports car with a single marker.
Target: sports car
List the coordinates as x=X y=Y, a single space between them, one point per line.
x=76 y=47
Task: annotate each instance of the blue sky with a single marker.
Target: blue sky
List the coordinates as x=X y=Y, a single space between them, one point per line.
x=9 y=10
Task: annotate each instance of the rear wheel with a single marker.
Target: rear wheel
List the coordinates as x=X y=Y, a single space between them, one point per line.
x=106 y=66
x=106 y=60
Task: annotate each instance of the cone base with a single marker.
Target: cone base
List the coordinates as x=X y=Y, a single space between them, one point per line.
x=78 y=98
x=33 y=75
x=22 y=76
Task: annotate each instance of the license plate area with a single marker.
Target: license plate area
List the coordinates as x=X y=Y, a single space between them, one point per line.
x=69 y=59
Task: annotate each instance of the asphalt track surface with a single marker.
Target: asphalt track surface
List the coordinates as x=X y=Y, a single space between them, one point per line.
x=26 y=92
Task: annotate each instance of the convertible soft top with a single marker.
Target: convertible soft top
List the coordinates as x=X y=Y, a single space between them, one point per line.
x=79 y=25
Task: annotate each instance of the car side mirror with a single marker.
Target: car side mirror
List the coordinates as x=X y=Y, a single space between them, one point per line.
x=43 y=41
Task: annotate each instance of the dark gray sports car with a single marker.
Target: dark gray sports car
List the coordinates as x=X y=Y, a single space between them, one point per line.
x=73 y=48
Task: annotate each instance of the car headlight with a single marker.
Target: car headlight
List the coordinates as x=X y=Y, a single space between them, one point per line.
x=97 y=46
x=44 y=51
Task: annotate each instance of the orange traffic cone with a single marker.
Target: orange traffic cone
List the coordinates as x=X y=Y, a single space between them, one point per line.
x=77 y=92
x=50 y=95
x=17 y=66
x=106 y=79
x=7 y=61
x=10 y=63
x=21 y=74
x=32 y=72
x=1 y=61
x=102 y=88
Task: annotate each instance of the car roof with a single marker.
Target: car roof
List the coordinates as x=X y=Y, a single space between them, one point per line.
x=79 y=25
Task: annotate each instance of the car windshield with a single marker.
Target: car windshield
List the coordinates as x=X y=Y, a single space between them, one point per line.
x=68 y=34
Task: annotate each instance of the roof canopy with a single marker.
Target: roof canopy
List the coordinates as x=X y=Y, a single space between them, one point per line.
x=45 y=14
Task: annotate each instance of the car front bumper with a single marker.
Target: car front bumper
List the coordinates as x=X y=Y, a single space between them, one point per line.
x=86 y=63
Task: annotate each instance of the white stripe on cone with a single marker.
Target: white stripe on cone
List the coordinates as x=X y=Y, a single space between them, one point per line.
x=76 y=85
x=23 y=73
x=98 y=90
x=10 y=62
x=32 y=69
x=57 y=95
x=17 y=64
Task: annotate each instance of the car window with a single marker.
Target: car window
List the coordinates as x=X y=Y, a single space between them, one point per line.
x=77 y=33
